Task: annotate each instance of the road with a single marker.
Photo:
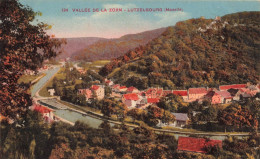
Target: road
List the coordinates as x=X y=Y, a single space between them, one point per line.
x=49 y=74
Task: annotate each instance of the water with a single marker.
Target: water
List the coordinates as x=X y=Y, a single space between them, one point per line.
x=74 y=116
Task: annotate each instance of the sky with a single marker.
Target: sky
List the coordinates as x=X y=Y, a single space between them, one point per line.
x=116 y=24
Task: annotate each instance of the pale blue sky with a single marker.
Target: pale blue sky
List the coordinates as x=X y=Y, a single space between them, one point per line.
x=113 y=25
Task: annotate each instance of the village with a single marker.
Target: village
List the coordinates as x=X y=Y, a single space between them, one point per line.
x=141 y=99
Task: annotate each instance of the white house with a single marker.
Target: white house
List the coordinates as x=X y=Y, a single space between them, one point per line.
x=181 y=119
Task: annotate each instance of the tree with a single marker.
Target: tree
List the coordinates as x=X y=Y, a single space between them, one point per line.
x=23 y=46
x=238 y=116
x=111 y=106
x=209 y=114
x=136 y=114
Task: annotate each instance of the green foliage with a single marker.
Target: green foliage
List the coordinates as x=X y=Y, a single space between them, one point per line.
x=184 y=57
x=24 y=45
x=238 y=116
x=33 y=138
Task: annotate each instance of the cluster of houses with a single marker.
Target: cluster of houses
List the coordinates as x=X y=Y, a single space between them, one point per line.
x=42 y=69
x=134 y=98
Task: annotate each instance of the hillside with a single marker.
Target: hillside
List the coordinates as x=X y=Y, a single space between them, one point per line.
x=74 y=45
x=196 y=52
x=113 y=48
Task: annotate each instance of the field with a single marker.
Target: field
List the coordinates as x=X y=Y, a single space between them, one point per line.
x=96 y=65
x=28 y=78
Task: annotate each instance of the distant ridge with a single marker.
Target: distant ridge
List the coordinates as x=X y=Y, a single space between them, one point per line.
x=74 y=45
x=113 y=48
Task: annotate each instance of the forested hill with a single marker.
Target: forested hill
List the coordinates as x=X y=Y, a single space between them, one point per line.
x=75 y=45
x=196 y=52
x=113 y=48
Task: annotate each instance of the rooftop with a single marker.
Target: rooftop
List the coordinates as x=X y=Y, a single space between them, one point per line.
x=131 y=96
x=197 y=90
x=95 y=87
x=196 y=144
x=153 y=100
x=234 y=86
x=181 y=116
x=180 y=92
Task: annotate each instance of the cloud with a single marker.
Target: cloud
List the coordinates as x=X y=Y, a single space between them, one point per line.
x=170 y=18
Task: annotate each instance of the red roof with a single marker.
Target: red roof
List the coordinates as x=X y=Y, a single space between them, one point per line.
x=42 y=109
x=95 y=87
x=153 y=100
x=131 y=96
x=196 y=144
x=107 y=81
x=181 y=92
x=122 y=87
x=234 y=86
x=156 y=90
x=131 y=89
x=159 y=91
x=116 y=85
x=197 y=91
x=224 y=94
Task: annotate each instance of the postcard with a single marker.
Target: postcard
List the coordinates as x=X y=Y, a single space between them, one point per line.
x=129 y=79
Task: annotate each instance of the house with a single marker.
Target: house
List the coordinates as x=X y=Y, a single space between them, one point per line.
x=234 y=86
x=182 y=93
x=109 y=83
x=86 y=92
x=196 y=93
x=98 y=90
x=225 y=96
x=46 y=112
x=131 y=100
x=122 y=89
x=199 y=145
x=154 y=93
x=81 y=70
x=132 y=90
x=115 y=88
x=94 y=90
x=181 y=119
x=235 y=94
x=51 y=91
x=213 y=97
x=29 y=72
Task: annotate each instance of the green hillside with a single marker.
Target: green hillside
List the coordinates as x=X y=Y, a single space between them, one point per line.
x=112 y=48
x=196 y=52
